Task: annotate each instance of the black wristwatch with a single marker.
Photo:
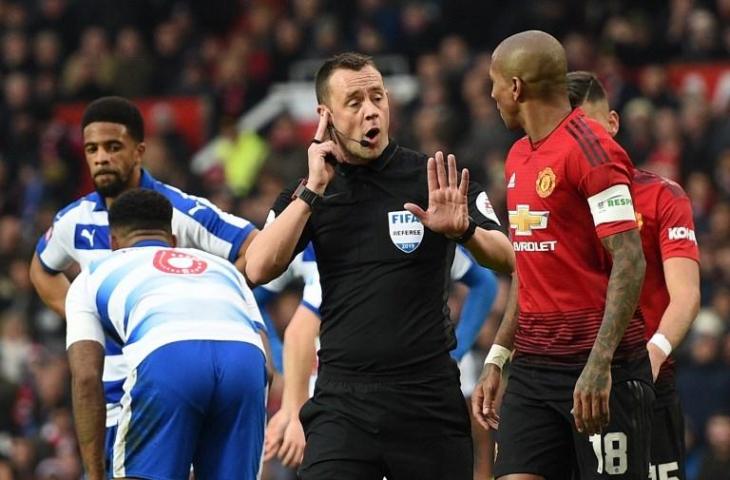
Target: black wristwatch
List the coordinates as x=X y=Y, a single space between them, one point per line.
x=306 y=195
x=468 y=233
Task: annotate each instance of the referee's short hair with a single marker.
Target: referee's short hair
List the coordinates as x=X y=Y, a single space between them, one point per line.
x=348 y=61
x=115 y=110
x=141 y=209
x=584 y=87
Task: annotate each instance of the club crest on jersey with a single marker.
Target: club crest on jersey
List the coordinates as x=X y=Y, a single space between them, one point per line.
x=545 y=183
x=170 y=261
x=406 y=230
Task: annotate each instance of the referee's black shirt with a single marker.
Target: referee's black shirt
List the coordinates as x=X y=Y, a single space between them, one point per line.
x=384 y=285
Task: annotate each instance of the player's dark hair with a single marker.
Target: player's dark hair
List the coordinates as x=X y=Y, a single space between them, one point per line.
x=141 y=209
x=584 y=87
x=348 y=61
x=115 y=110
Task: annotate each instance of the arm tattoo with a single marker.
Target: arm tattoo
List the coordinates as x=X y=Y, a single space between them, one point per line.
x=622 y=295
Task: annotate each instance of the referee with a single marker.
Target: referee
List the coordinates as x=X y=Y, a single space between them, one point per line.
x=384 y=221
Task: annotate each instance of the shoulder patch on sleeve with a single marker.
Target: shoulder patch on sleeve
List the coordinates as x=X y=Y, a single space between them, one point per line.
x=485 y=207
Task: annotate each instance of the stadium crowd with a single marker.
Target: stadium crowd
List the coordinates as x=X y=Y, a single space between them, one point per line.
x=229 y=53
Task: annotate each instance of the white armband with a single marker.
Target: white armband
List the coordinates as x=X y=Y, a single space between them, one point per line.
x=661 y=341
x=498 y=355
x=614 y=204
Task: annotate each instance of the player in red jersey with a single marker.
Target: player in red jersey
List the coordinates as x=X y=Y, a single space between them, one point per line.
x=580 y=388
x=670 y=297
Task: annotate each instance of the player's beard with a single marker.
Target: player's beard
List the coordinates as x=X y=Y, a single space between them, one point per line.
x=110 y=188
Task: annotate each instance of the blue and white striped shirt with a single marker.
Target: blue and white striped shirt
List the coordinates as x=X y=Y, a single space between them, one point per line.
x=142 y=298
x=80 y=233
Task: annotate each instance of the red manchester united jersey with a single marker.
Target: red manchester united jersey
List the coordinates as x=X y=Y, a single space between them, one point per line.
x=664 y=214
x=563 y=195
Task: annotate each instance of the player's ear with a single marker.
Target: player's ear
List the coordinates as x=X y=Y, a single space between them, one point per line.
x=614 y=122
x=517 y=88
x=173 y=240
x=140 y=149
x=114 y=240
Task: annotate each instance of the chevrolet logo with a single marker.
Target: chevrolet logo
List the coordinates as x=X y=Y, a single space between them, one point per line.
x=524 y=221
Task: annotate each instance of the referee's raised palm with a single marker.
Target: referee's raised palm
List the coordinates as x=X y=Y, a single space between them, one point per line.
x=447 y=202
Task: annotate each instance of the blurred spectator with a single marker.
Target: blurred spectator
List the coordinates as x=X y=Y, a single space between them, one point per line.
x=47 y=55
x=702 y=40
x=168 y=56
x=703 y=371
x=287 y=158
x=716 y=463
x=15 y=53
x=90 y=69
x=133 y=68
x=233 y=159
x=287 y=48
x=419 y=29
x=665 y=158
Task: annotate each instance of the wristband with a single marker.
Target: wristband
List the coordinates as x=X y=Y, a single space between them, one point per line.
x=661 y=341
x=464 y=237
x=498 y=355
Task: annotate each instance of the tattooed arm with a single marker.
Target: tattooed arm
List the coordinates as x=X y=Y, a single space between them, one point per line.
x=590 y=397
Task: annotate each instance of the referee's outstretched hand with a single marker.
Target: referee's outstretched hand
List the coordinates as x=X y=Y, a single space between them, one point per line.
x=320 y=153
x=447 y=204
x=484 y=398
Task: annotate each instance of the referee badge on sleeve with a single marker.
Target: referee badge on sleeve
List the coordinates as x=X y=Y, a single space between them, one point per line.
x=406 y=230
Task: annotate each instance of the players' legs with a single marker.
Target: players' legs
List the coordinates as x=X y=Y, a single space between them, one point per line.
x=621 y=451
x=162 y=406
x=534 y=440
x=232 y=435
x=667 y=439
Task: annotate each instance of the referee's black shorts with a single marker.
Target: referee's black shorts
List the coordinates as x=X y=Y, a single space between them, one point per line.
x=409 y=427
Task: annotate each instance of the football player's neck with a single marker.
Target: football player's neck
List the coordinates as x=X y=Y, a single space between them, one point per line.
x=539 y=118
x=122 y=238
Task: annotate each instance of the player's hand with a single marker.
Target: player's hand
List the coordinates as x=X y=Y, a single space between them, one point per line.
x=274 y=435
x=484 y=398
x=656 y=357
x=321 y=148
x=590 y=398
x=447 y=204
x=292 y=447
